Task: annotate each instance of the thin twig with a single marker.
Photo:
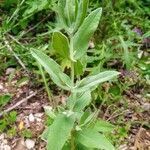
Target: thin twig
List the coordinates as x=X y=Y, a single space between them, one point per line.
x=18 y=104
x=114 y=116
x=16 y=11
x=18 y=59
x=105 y=114
x=16 y=40
x=32 y=28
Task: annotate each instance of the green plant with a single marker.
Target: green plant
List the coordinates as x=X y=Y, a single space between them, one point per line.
x=26 y=133
x=7 y=123
x=45 y=82
x=4 y=99
x=74 y=127
x=120 y=19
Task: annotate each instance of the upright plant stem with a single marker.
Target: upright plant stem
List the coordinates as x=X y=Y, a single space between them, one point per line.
x=72 y=73
x=73 y=94
x=45 y=83
x=72 y=67
x=72 y=61
x=72 y=141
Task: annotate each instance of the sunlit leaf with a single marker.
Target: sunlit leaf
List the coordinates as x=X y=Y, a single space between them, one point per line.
x=84 y=33
x=103 y=126
x=82 y=101
x=59 y=132
x=82 y=11
x=61 y=13
x=92 y=139
x=60 y=44
x=94 y=80
x=54 y=70
x=4 y=99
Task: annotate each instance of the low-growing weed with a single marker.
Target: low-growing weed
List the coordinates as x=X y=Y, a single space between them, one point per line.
x=4 y=99
x=7 y=123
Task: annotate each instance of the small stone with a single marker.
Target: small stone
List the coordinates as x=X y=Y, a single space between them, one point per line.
x=63 y=100
x=9 y=71
x=123 y=147
x=5 y=141
x=31 y=118
x=27 y=123
x=1 y=87
x=29 y=143
x=2 y=146
x=138 y=96
x=6 y=147
x=38 y=119
x=140 y=53
x=5 y=90
x=39 y=115
x=2 y=136
x=146 y=107
x=91 y=45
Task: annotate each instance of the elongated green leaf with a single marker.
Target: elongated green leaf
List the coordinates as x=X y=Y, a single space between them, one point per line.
x=76 y=8
x=86 y=30
x=53 y=69
x=71 y=7
x=82 y=147
x=82 y=101
x=59 y=132
x=60 y=44
x=45 y=134
x=94 y=80
x=61 y=13
x=67 y=147
x=66 y=12
x=48 y=111
x=82 y=11
x=126 y=52
x=87 y=113
x=88 y=118
x=70 y=102
x=93 y=139
x=103 y=126
x=69 y=12
x=80 y=66
x=4 y=99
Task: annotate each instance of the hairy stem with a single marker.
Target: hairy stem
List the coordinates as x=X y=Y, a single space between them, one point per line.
x=73 y=84
x=72 y=61
x=72 y=73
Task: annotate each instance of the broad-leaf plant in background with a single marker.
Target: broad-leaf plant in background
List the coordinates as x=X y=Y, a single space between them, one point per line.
x=73 y=127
